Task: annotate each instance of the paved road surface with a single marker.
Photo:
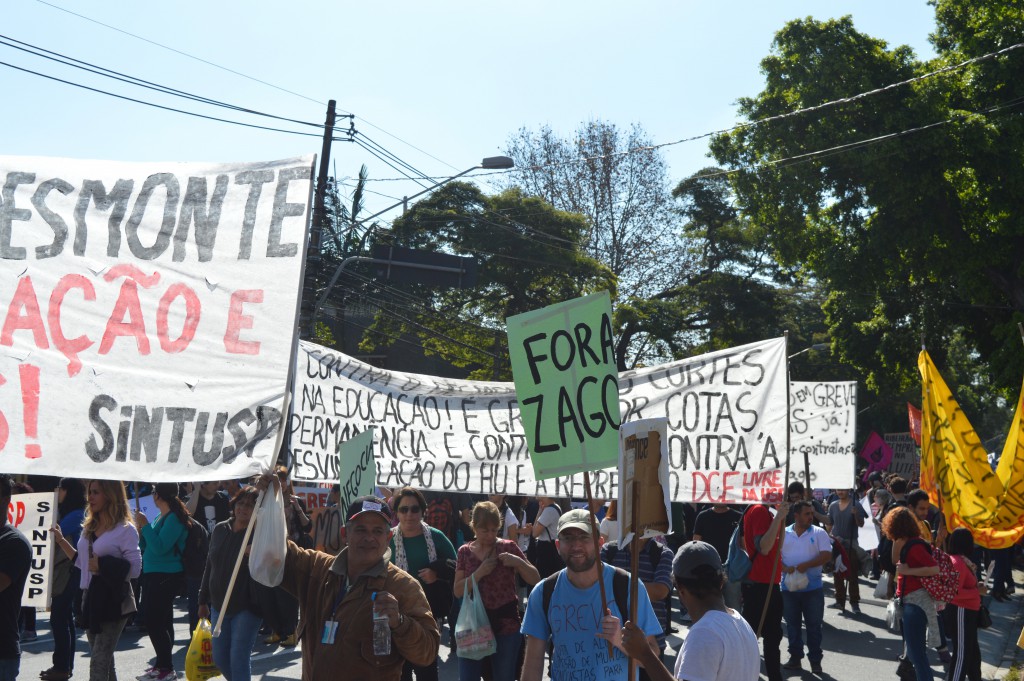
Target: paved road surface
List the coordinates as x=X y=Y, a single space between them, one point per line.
x=857 y=648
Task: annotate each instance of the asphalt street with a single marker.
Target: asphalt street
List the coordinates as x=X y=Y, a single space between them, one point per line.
x=856 y=647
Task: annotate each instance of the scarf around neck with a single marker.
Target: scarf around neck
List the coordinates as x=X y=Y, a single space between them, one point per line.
x=401 y=560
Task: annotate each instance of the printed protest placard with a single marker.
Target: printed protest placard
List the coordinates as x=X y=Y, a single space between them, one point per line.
x=146 y=506
x=726 y=417
x=563 y=363
x=823 y=428
x=147 y=309
x=356 y=467
x=906 y=457
x=644 y=460
x=33 y=515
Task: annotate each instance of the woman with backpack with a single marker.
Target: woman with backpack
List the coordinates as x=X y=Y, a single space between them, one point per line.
x=900 y=526
x=163 y=574
x=544 y=530
x=961 y=614
x=240 y=621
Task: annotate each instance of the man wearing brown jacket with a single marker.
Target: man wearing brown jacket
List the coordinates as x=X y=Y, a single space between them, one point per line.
x=338 y=594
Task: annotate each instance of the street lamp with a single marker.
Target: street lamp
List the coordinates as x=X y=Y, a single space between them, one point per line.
x=816 y=346
x=489 y=163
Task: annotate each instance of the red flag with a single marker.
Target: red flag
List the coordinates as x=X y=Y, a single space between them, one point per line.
x=914 y=414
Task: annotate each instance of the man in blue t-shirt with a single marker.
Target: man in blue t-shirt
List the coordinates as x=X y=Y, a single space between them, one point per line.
x=573 y=621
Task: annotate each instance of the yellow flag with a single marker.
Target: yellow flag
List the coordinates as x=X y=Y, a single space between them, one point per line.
x=955 y=470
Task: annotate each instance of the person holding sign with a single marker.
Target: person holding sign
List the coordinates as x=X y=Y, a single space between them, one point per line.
x=566 y=609
x=762 y=599
x=15 y=560
x=720 y=646
x=65 y=534
x=163 y=574
x=340 y=594
x=494 y=563
x=240 y=622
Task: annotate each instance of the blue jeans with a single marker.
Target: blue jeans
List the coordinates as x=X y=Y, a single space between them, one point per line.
x=808 y=606
x=503 y=661
x=62 y=623
x=232 y=650
x=9 y=667
x=915 y=628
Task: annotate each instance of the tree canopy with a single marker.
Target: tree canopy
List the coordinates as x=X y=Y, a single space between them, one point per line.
x=904 y=204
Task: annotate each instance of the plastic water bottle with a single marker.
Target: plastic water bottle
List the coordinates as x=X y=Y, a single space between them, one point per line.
x=381 y=632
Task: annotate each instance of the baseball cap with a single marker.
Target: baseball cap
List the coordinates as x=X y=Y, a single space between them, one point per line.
x=693 y=555
x=578 y=518
x=369 y=504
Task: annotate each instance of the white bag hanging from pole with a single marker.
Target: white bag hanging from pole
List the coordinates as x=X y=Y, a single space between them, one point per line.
x=270 y=540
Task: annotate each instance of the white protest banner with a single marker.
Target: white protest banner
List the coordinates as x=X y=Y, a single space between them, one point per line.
x=357 y=468
x=726 y=416
x=33 y=515
x=823 y=427
x=147 y=315
x=643 y=459
x=906 y=456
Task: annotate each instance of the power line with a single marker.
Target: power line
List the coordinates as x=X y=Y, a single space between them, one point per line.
x=760 y=121
x=383 y=159
x=66 y=60
x=157 y=106
x=236 y=73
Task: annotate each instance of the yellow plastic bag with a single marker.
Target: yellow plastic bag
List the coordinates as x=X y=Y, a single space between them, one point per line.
x=199 y=664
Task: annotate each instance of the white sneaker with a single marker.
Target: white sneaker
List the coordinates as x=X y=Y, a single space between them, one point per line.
x=150 y=673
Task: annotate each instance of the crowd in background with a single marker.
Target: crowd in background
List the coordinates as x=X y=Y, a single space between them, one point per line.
x=117 y=568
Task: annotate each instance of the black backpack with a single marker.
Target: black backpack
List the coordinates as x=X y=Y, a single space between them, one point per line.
x=197 y=546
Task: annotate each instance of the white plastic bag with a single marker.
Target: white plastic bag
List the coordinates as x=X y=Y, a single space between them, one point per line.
x=796 y=581
x=882 y=588
x=473 y=632
x=270 y=540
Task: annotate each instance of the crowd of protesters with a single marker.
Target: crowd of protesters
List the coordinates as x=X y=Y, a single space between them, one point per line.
x=417 y=555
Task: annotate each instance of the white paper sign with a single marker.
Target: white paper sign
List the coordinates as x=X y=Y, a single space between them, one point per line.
x=867 y=535
x=147 y=315
x=725 y=411
x=33 y=515
x=823 y=431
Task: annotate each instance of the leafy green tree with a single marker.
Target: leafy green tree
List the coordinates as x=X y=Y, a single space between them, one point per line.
x=529 y=255
x=903 y=204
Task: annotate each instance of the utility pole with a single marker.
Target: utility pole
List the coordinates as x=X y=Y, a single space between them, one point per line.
x=313 y=259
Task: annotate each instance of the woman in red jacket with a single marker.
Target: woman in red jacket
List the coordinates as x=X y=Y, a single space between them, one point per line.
x=961 y=614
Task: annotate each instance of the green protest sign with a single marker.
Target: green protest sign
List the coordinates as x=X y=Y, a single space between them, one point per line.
x=563 y=365
x=357 y=469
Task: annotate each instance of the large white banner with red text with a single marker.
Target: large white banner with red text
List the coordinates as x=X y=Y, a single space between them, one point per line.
x=148 y=315
x=726 y=415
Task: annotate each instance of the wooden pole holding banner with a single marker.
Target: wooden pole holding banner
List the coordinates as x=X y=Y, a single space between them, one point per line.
x=595 y=533
x=238 y=562
x=634 y=566
x=135 y=493
x=781 y=536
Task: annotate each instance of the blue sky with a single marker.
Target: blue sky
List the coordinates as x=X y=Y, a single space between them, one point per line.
x=439 y=85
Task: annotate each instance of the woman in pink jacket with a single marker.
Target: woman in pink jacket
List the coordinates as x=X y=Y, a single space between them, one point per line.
x=961 y=615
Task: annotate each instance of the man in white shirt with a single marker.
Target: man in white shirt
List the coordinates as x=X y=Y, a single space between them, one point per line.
x=805 y=549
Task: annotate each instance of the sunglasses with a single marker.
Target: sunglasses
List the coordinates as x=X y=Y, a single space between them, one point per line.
x=408 y=509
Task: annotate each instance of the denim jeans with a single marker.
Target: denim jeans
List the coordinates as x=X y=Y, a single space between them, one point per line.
x=503 y=661
x=808 y=606
x=232 y=650
x=9 y=667
x=62 y=623
x=915 y=628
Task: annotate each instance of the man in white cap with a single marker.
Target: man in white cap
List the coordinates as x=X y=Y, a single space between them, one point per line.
x=720 y=645
x=571 y=618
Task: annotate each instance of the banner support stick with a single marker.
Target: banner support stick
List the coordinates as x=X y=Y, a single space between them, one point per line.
x=781 y=537
x=634 y=567
x=595 y=533
x=135 y=493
